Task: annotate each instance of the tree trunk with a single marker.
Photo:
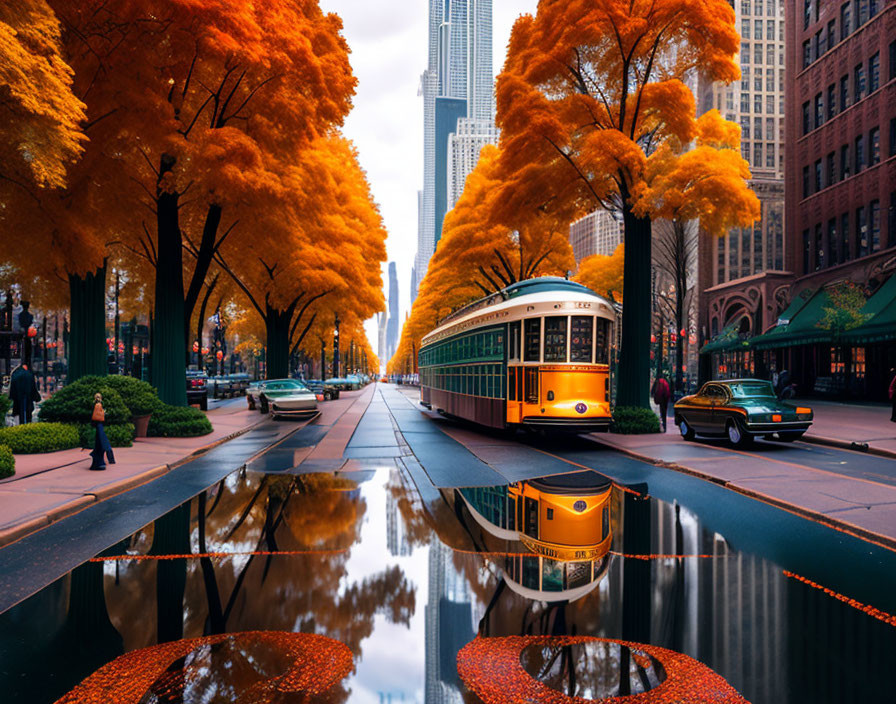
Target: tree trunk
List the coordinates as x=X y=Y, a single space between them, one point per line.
x=634 y=356
x=168 y=367
x=87 y=339
x=679 y=342
x=277 y=333
x=203 y=263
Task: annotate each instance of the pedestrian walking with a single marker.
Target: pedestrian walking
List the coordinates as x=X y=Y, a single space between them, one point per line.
x=661 y=395
x=23 y=393
x=893 y=394
x=101 y=444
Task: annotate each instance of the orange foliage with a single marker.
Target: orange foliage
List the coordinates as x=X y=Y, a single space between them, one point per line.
x=603 y=273
x=40 y=117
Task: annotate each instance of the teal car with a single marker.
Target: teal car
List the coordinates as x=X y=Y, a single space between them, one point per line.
x=282 y=397
x=741 y=410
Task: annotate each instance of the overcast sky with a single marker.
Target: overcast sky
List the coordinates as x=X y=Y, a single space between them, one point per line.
x=388 y=39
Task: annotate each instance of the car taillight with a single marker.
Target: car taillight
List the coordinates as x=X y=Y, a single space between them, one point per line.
x=801 y=410
x=776 y=418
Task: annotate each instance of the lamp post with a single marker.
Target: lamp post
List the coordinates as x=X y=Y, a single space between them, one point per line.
x=323 y=359
x=117 y=318
x=336 y=348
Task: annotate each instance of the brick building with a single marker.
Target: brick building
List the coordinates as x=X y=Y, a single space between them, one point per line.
x=840 y=205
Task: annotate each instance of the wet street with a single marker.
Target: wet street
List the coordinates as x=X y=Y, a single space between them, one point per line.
x=388 y=555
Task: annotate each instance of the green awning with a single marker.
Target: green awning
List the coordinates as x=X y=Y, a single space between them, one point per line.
x=880 y=311
x=728 y=339
x=798 y=325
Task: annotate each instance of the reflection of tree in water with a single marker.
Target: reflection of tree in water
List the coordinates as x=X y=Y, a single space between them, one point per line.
x=310 y=592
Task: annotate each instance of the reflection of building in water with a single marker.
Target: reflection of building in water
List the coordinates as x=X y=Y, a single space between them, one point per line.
x=449 y=625
x=396 y=535
x=727 y=611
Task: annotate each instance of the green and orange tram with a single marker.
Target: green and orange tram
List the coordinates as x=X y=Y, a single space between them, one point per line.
x=536 y=354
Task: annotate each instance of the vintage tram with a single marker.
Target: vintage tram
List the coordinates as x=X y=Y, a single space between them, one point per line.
x=535 y=354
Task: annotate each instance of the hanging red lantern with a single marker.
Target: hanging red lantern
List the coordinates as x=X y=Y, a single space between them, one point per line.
x=195 y=345
x=682 y=332
x=219 y=355
x=653 y=339
x=32 y=331
x=205 y=350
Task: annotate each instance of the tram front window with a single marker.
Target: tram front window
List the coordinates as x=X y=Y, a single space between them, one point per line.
x=555 y=339
x=581 y=337
x=532 y=341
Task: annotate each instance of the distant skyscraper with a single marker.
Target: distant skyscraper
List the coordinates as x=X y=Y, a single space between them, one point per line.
x=599 y=232
x=464 y=145
x=382 y=319
x=393 y=324
x=457 y=83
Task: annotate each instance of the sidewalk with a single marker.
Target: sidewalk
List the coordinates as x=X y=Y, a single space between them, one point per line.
x=842 y=424
x=49 y=486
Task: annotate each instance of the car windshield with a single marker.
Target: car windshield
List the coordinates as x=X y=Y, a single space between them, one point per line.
x=752 y=389
x=285 y=384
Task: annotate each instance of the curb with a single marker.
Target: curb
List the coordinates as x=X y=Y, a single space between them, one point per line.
x=15 y=532
x=884 y=541
x=862 y=447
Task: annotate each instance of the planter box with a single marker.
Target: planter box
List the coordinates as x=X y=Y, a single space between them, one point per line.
x=141 y=425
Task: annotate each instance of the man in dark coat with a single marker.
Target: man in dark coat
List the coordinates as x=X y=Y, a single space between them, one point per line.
x=23 y=393
x=661 y=395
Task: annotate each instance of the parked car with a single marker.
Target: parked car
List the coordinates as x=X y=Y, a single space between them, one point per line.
x=197 y=389
x=323 y=388
x=741 y=410
x=282 y=397
x=343 y=383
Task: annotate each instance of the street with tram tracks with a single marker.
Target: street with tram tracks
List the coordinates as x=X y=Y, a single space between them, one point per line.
x=376 y=526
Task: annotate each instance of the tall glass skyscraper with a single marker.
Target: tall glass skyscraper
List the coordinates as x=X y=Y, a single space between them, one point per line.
x=458 y=83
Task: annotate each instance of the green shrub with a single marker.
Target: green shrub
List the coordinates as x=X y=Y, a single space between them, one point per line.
x=74 y=403
x=7 y=462
x=630 y=420
x=5 y=405
x=120 y=434
x=39 y=437
x=178 y=422
x=140 y=397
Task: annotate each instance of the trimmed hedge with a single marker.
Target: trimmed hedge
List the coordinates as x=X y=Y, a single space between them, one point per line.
x=74 y=403
x=139 y=396
x=39 y=437
x=120 y=434
x=7 y=462
x=5 y=405
x=178 y=422
x=631 y=420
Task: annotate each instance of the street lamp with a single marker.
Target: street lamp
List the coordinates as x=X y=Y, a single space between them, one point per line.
x=336 y=348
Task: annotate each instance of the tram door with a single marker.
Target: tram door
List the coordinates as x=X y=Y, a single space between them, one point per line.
x=514 y=375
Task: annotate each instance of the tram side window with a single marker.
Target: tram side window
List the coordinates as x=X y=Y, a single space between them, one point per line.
x=532 y=340
x=514 y=342
x=555 y=338
x=602 y=342
x=581 y=337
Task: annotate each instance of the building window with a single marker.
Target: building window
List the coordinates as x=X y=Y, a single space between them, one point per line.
x=820 y=40
x=874 y=73
x=819 y=111
x=745 y=150
x=844 y=93
x=769 y=7
x=806 y=183
x=832 y=101
x=745 y=52
x=757 y=80
x=757 y=29
x=745 y=29
x=745 y=7
x=832 y=36
x=818 y=177
x=845 y=19
x=860 y=153
x=845 y=162
x=807 y=53
x=770 y=29
x=757 y=123
x=872 y=8
x=819 y=246
x=769 y=156
x=833 y=244
x=838 y=361
x=745 y=78
x=893 y=59
x=745 y=102
x=769 y=128
x=757 y=154
x=832 y=174
x=757 y=53
x=757 y=103
x=863 y=12
x=874 y=146
x=875 y=225
x=859 y=83
x=844 y=236
x=807 y=13
x=891 y=221
x=861 y=232
x=745 y=128
x=770 y=80
x=807 y=118
x=893 y=137
x=807 y=252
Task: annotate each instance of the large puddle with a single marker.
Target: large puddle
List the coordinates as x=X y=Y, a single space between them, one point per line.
x=347 y=588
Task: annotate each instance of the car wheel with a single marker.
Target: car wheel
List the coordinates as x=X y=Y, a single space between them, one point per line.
x=203 y=403
x=736 y=434
x=265 y=407
x=790 y=436
x=251 y=402
x=687 y=432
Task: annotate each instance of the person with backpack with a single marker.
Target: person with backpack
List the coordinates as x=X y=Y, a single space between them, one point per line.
x=661 y=394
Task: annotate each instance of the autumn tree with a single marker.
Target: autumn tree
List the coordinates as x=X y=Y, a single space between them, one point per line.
x=603 y=273
x=40 y=117
x=588 y=93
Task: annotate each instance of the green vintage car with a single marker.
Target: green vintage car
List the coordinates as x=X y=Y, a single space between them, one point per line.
x=741 y=410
